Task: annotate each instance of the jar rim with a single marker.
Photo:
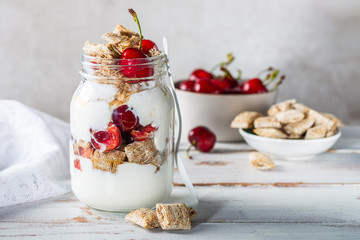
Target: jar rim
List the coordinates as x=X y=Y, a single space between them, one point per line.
x=90 y=60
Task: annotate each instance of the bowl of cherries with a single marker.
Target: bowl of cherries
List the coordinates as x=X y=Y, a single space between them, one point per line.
x=212 y=100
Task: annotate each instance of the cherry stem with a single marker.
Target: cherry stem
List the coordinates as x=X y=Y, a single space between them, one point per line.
x=230 y=58
x=280 y=81
x=264 y=71
x=112 y=49
x=133 y=13
x=271 y=77
x=227 y=72
x=188 y=150
x=239 y=74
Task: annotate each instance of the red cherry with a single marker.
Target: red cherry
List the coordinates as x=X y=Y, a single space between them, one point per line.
x=202 y=138
x=125 y=118
x=132 y=60
x=187 y=85
x=77 y=164
x=206 y=86
x=235 y=90
x=144 y=133
x=127 y=138
x=254 y=85
x=86 y=152
x=200 y=74
x=147 y=45
x=106 y=140
x=224 y=83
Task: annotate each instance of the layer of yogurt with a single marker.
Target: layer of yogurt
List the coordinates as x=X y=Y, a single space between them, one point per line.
x=90 y=109
x=131 y=187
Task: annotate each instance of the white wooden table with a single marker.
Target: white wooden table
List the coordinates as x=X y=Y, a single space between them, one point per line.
x=315 y=199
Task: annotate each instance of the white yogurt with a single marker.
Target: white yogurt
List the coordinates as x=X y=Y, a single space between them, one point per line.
x=133 y=185
x=90 y=108
x=153 y=106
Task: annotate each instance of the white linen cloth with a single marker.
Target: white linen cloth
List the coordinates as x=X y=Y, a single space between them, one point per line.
x=34 y=150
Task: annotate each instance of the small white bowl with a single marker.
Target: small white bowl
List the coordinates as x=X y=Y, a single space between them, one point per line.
x=216 y=111
x=289 y=149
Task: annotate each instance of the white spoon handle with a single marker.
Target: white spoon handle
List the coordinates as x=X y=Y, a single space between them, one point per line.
x=179 y=163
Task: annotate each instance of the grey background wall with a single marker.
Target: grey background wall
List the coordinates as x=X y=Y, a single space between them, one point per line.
x=315 y=43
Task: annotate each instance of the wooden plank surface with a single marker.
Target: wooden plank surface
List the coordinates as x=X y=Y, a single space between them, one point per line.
x=315 y=199
x=228 y=164
x=224 y=213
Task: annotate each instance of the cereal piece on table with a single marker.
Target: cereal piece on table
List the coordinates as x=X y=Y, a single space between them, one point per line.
x=299 y=128
x=245 y=119
x=320 y=119
x=143 y=217
x=142 y=152
x=261 y=161
x=107 y=161
x=301 y=107
x=279 y=107
x=316 y=132
x=267 y=122
x=338 y=122
x=270 y=132
x=290 y=116
x=174 y=216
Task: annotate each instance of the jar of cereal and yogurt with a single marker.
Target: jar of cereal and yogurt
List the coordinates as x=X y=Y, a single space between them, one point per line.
x=122 y=136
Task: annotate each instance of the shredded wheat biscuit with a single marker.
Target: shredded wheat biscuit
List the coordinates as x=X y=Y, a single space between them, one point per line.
x=121 y=30
x=174 y=216
x=301 y=107
x=338 y=122
x=245 y=119
x=108 y=161
x=294 y=136
x=280 y=107
x=143 y=217
x=143 y=152
x=261 y=161
x=99 y=50
x=320 y=119
x=270 y=132
x=108 y=72
x=153 y=52
x=290 y=116
x=124 y=93
x=330 y=133
x=316 y=132
x=121 y=42
x=266 y=122
x=300 y=127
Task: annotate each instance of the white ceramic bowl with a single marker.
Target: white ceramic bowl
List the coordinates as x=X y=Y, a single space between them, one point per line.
x=217 y=111
x=289 y=149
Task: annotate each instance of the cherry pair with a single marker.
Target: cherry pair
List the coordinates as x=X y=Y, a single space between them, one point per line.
x=124 y=127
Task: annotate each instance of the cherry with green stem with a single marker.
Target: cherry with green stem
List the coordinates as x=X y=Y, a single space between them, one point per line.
x=202 y=138
x=136 y=19
x=269 y=69
x=230 y=58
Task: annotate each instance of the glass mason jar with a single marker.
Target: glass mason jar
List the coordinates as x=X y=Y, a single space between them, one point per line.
x=122 y=133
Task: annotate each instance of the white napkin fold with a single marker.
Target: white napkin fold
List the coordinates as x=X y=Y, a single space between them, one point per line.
x=34 y=162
